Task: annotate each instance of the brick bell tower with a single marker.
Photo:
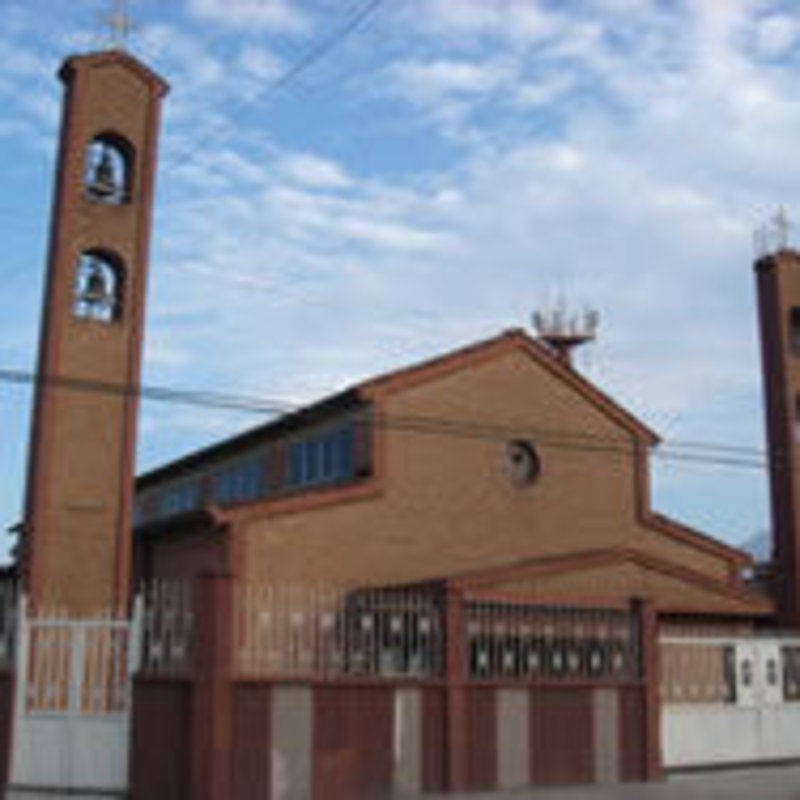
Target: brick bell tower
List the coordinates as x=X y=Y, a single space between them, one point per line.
x=778 y=290
x=77 y=533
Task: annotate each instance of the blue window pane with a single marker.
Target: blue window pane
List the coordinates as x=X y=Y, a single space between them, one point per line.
x=252 y=479
x=191 y=496
x=312 y=451
x=314 y=461
x=222 y=487
x=329 y=457
x=344 y=452
x=296 y=452
x=239 y=482
x=179 y=499
x=225 y=487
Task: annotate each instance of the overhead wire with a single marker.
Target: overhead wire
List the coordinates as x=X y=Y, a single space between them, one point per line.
x=707 y=453
x=354 y=18
x=734 y=455
x=356 y=15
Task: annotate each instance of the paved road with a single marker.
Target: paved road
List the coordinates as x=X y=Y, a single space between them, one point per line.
x=763 y=783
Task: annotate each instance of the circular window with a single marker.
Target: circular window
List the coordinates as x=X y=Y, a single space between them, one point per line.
x=523 y=462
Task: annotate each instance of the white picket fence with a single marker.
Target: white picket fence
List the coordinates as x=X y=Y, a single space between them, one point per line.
x=72 y=705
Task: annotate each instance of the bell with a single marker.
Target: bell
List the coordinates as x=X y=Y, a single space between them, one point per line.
x=95 y=293
x=103 y=184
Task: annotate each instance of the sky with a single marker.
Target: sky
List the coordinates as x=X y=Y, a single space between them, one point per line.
x=437 y=175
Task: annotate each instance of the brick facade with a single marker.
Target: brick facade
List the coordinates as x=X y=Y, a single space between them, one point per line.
x=440 y=501
x=79 y=499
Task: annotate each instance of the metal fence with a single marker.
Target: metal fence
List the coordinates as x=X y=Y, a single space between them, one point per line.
x=510 y=641
x=327 y=631
x=167 y=627
x=334 y=631
x=78 y=667
x=748 y=670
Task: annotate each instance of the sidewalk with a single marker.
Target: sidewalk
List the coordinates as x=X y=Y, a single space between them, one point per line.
x=761 y=783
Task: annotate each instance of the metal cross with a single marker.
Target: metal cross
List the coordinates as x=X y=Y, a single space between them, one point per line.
x=781 y=225
x=119 y=24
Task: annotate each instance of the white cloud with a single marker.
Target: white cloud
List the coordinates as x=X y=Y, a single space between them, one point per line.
x=273 y=15
x=259 y=62
x=515 y=20
x=24 y=63
x=185 y=59
x=777 y=34
x=545 y=89
x=160 y=353
x=395 y=236
x=429 y=82
x=313 y=171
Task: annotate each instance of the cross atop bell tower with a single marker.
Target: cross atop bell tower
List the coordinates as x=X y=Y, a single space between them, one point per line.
x=119 y=24
x=77 y=539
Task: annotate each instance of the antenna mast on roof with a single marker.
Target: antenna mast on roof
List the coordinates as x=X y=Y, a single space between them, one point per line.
x=562 y=332
x=774 y=235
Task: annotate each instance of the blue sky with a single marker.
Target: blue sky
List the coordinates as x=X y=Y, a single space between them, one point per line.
x=448 y=168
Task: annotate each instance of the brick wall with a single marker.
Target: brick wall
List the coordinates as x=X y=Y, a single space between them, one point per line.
x=161 y=739
x=78 y=516
x=445 y=504
x=327 y=741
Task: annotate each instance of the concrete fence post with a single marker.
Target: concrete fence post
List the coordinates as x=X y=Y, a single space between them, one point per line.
x=211 y=777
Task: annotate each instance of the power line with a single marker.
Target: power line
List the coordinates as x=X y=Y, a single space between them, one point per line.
x=708 y=453
x=206 y=399
x=355 y=17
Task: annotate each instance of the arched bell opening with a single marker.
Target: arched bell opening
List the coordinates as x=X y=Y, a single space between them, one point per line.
x=109 y=169
x=99 y=278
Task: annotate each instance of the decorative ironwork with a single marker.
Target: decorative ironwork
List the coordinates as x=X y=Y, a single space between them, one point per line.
x=743 y=670
x=168 y=622
x=790 y=656
x=525 y=642
x=698 y=672
x=337 y=631
x=78 y=666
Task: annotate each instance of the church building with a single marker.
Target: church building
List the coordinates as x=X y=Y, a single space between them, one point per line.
x=498 y=459
x=446 y=577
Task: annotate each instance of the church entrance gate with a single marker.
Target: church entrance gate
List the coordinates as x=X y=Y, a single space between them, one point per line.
x=72 y=708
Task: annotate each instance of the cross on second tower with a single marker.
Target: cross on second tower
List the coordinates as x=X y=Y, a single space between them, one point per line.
x=120 y=24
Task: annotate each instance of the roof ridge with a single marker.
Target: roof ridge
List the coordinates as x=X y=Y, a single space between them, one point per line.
x=420 y=372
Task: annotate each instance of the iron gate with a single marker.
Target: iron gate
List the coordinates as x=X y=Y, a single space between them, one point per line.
x=72 y=705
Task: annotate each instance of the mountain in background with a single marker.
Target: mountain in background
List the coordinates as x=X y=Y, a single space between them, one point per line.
x=759 y=545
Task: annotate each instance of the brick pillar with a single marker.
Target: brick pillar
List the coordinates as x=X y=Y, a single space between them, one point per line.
x=647 y=618
x=457 y=720
x=212 y=689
